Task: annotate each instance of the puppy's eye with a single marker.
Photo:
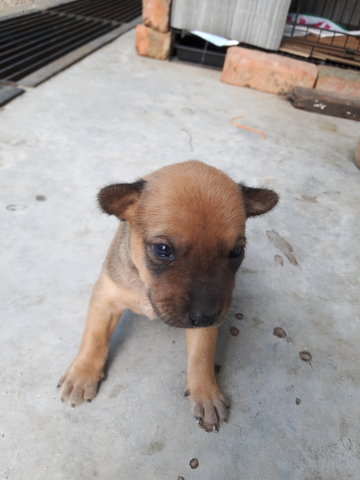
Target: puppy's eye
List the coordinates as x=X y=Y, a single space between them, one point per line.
x=236 y=252
x=162 y=250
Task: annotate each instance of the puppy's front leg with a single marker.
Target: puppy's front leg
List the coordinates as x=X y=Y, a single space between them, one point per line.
x=208 y=404
x=81 y=380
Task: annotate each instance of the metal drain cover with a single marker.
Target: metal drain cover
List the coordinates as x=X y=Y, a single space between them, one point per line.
x=8 y=93
x=38 y=45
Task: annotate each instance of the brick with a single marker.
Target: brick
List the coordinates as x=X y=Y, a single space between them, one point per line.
x=267 y=72
x=338 y=80
x=150 y=43
x=156 y=14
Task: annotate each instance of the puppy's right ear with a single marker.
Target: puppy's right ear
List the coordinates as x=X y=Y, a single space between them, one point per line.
x=116 y=199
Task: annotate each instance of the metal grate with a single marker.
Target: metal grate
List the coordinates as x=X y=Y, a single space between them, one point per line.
x=8 y=93
x=35 y=46
x=344 y=12
x=325 y=44
x=113 y=11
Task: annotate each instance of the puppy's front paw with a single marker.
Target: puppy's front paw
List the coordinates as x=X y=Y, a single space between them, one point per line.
x=80 y=383
x=209 y=406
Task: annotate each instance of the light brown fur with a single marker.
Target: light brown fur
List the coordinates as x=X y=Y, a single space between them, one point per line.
x=198 y=214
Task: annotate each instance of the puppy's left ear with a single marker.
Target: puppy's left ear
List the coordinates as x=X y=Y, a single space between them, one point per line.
x=117 y=199
x=258 y=200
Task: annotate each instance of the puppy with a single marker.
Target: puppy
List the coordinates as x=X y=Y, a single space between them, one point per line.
x=174 y=256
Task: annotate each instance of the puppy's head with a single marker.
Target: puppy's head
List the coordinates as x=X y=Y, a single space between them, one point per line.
x=187 y=237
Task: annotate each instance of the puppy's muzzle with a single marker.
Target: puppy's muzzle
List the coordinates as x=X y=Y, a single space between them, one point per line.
x=205 y=304
x=203 y=319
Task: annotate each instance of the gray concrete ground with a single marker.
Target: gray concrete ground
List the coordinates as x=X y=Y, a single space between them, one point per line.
x=11 y=7
x=115 y=116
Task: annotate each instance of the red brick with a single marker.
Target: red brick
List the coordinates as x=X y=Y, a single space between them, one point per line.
x=156 y=14
x=266 y=71
x=338 y=80
x=151 y=43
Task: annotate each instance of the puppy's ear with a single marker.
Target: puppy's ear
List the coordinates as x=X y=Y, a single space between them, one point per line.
x=258 y=200
x=116 y=199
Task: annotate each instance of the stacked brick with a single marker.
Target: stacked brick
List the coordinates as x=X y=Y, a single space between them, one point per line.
x=153 y=37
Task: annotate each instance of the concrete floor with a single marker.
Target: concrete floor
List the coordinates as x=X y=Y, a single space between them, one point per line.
x=115 y=116
x=11 y=7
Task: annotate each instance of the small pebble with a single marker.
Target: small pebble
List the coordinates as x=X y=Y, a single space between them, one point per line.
x=234 y=331
x=309 y=198
x=278 y=259
x=239 y=316
x=13 y=207
x=194 y=463
x=40 y=198
x=181 y=478
x=279 y=332
x=305 y=356
x=298 y=401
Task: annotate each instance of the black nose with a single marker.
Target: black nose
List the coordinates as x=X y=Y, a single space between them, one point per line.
x=200 y=319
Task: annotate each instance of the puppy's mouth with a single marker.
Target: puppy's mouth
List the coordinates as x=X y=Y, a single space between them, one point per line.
x=181 y=317
x=171 y=318
x=186 y=322
x=190 y=324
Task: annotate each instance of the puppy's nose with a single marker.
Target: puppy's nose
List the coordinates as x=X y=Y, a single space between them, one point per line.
x=200 y=319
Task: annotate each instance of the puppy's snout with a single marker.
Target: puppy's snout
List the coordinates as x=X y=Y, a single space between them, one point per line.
x=201 y=319
x=205 y=305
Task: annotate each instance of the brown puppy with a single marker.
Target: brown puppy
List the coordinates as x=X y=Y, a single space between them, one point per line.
x=174 y=256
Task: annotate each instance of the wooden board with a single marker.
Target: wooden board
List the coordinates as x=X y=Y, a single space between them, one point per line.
x=325 y=103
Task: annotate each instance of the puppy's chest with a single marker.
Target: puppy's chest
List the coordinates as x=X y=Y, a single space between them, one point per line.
x=143 y=307
x=132 y=295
